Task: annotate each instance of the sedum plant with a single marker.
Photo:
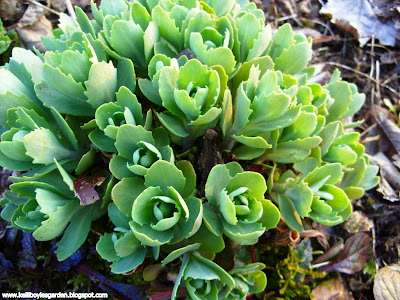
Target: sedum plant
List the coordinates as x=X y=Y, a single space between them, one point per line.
x=114 y=121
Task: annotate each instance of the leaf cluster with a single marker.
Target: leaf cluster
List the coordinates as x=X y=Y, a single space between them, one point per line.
x=98 y=124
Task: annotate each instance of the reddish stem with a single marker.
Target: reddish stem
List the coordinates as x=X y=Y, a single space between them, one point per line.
x=253 y=253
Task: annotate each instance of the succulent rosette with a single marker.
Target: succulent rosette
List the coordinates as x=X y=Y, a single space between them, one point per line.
x=249 y=279
x=164 y=211
x=110 y=116
x=236 y=204
x=121 y=247
x=74 y=83
x=189 y=94
x=202 y=277
x=138 y=149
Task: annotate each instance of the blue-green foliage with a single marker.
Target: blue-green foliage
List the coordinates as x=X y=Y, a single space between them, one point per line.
x=100 y=122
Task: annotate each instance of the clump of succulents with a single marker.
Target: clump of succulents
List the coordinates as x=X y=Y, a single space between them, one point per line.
x=109 y=122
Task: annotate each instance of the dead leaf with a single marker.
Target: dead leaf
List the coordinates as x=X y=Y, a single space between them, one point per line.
x=387 y=283
x=11 y=10
x=361 y=16
x=358 y=222
x=333 y=289
x=31 y=15
x=61 y=6
x=390 y=129
x=390 y=176
x=317 y=234
x=354 y=255
x=30 y=35
x=331 y=252
x=84 y=187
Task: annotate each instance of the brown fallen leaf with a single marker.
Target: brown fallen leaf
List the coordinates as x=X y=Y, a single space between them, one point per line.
x=390 y=129
x=11 y=10
x=360 y=15
x=387 y=283
x=30 y=35
x=333 y=289
x=390 y=177
x=32 y=14
x=357 y=222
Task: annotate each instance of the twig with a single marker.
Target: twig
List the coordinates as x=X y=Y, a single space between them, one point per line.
x=70 y=9
x=366 y=131
x=391 y=78
x=364 y=75
x=44 y=6
x=377 y=76
x=319 y=23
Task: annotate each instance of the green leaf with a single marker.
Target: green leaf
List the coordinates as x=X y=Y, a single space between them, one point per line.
x=248 y=27
x=56 y=222
x=212 y=220
x=294 y=151
x=105 y=248
x=227 y=208
x=243 y=233
x=220 y=56
x=242 y=110
x=286 y=119
x=84 y=22
x=254 y=142
x=129 y=136
x=130 y=262
x=63 y=93
x=227 y=113
x=126 y=76
x=341 y=92
x=102 y=141
x=190 y=175
x=282 y=39
x=166 y=25
x=342 y=154
x=217 y=180
x=301 y=196
x=43 y=146
x=127 y=40
x=179 y=252
x=302 y=128
x=271 y=216
x=86 y=161
x=172 y=124
x=150 y=237
x=127 y=244
x=294 y=59
x=102 y=84
x=140 y=15
x=75 y=234
x=118 y=218
x=208 y=118
x=164 y=174
x=264 y=64
x=10 y=100
x=255 y=182
x=244 y=152
x=125 y=192
x=289 y=213
x=113 y=7
x=119 y=167
x=65 y=129
x=148 y=90
x=333 y=171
